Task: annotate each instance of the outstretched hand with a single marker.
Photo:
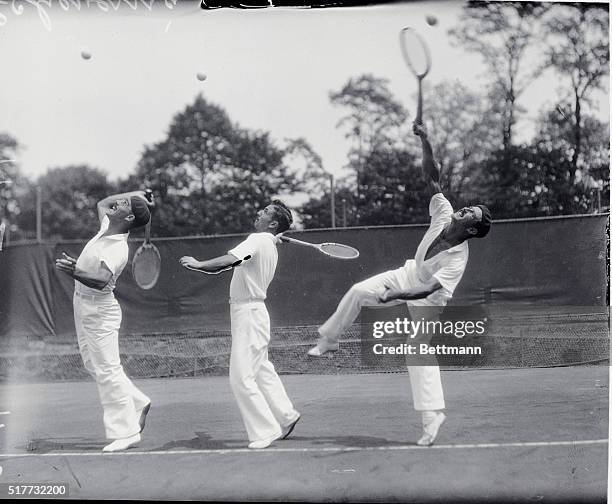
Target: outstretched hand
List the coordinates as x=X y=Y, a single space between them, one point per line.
x=419 y=129
x=387 y=294
x=189 y=262
x=69 y=258
x=66 y=264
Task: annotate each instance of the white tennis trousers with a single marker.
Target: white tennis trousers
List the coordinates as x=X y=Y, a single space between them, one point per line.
x=425 y=381
x=97 y=322
x=261 y=397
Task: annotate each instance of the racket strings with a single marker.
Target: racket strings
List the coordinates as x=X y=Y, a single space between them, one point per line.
x=339 y=250
x=146 y=268
x=415 y=52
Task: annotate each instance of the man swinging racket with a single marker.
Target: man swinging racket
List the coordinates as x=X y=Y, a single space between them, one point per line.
x=427 y=280
x=97 y=315
x=267 y=411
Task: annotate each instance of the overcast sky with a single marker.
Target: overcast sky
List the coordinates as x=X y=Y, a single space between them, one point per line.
x=270 y=69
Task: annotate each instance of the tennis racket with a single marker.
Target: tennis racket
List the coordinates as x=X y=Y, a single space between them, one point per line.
x=2 y=230
x=146 y=265
x=231 y=266
x=417 y=58
x=335 y=250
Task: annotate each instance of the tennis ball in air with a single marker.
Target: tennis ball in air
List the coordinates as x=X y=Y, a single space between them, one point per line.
x=85 y=55
x=431 y=20
x=201 y=76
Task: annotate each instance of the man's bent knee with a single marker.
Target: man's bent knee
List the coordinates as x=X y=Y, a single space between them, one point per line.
x=359 y=290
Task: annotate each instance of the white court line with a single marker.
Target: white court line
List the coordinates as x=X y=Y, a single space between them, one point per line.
x=333 y=449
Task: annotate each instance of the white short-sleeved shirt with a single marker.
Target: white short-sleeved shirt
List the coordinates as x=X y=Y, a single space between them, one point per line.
x=250 y=280
x=446 y=266
x=112 y=250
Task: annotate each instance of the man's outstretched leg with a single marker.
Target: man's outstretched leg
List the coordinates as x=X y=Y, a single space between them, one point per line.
x=365 y=293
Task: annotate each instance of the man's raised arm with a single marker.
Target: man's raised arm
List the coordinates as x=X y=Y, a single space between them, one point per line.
x=429 y=167
x=104 y=205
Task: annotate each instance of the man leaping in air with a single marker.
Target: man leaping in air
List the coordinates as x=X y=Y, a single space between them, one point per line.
x=97 y=315
x=427 y=280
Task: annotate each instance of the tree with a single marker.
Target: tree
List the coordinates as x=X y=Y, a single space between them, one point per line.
x=211 y=175
x=556 y=131
x=579 y=52
x=316 y=212
x=12 y=193
x=393 y=188
x=461 y=132
x=374 y=115
x=501 y=33
x=536 y=183
x=374 y=118
x=256 y=175
x=69 y=197
x=307 y=166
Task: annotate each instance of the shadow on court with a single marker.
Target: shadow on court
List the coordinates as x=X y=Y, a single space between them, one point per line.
x=521 y=435
x=202 y=441
x=64 y=444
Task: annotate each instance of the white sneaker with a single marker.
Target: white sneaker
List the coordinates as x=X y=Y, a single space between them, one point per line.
x=430 y=431
x=122 y=444
x=264 y=443
x=323 y=346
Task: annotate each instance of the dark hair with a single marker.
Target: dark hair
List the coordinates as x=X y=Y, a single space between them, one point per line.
x=283 y=215
x=483 y=227
x=141 y=212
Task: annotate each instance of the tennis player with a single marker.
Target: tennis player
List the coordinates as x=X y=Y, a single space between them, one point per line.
x=427 y=280
x=267 y=411
x=97 y=315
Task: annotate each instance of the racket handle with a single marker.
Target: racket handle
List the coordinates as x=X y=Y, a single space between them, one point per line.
x=298 y=242
x=419 y=114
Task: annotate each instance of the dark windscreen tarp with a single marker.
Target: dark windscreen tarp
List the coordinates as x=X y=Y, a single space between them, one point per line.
x=545 y=262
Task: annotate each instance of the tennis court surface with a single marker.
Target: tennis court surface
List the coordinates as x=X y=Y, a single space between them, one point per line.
x=519 y=435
